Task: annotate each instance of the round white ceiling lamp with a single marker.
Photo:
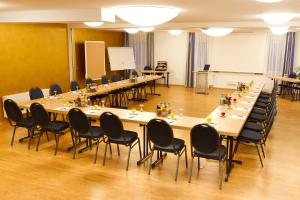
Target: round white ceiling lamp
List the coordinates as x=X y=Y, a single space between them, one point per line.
x=146 y=15
x=279 y=30
x=175 y=31
x=217 y=31
x=146 y=29
x=277 y=18
x=132 y=30
x=269 y=1
x=93 y=24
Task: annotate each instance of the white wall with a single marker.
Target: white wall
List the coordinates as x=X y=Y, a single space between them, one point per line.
x=239 y=52
x=174 y=50
x=297 y=51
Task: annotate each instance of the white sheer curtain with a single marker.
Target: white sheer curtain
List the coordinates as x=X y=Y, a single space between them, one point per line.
x=201 y=52
x=139 y=43
x=276 y=52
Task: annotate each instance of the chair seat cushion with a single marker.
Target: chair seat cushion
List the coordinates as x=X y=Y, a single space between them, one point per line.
x=254 y=126
x=178 y=146
x=263 y=100
x=259 y=111
x=222 y=151
x=94 y=132
x=26 y=122
x=261 y=105
x=249 y=135
x=57 y=126
x=128 y=138
x=257 y=117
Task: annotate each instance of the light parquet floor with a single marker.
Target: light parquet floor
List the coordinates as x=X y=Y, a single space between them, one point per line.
x=41 y=175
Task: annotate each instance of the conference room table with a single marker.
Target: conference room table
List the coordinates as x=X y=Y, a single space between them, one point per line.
x=228 y=126
x=286 y=81
x=155 y=72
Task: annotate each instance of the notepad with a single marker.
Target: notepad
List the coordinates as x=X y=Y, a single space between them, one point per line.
x=62 y=108
x=237 y=117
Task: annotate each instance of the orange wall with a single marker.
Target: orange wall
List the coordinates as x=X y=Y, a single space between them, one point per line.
x=111 y=39
x=32 y=55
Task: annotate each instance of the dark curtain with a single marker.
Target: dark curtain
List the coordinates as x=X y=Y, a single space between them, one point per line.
x=190 y=66
x=288 y=66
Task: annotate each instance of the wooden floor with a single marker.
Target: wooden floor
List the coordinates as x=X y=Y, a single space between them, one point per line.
x=41 y=175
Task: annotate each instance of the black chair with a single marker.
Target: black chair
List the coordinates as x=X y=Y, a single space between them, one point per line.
x=35 y=93
x=80 y=128
x=148 y=68
x=89 y=81
x=206 y=143
x=134 y=73
x=55 y=89
x=17 y=120
x=113 y=129
x=74 y=86
x=104 y=80
x=161 y=135
x=115 y=78
x=42 y=119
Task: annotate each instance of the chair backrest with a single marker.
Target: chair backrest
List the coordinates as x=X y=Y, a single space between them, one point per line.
x=55 y=88
x=114 y=78
x=148 y=68
x=78 y=120
x=104 y=79
x=12 y=110
x=36 y=93
x=205 y=138
x=134 y=73
x=74 y=86
x=39 y=115
x=88 y=81
x=111 y=125
x=293 y=75
x=160 y=133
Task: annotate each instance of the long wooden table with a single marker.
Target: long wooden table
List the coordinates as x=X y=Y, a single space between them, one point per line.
x=229 y=126
x=286 y=81
x=155 y=72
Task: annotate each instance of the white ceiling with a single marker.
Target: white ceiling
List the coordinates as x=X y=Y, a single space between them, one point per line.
x=238 y=13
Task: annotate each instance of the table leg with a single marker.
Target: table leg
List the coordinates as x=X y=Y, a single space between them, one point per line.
x=154 y=88
x=168 y=79
x=231 y=161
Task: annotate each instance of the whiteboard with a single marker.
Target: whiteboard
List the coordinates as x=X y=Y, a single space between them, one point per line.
x=121 y=58
x=94 y=59
x=239 y=52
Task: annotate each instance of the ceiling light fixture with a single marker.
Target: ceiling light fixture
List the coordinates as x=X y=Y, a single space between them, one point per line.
x=277 y=18
x=279 y=30
x=269 y=1
x=132 y=30
x=146 y=29
x=217 y=31
x=146 y=15
x=93 y=24
x=175 y=32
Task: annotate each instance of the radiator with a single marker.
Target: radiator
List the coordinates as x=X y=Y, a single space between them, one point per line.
x=20 y=97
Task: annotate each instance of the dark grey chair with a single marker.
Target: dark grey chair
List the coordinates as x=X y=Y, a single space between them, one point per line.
x=42 y=119
x=74 y=85
x=16 y=119
x=55 y=89
x=161 y=135
x=206 y=143
x=80 y=128
x=35 y=93
x=113 y=129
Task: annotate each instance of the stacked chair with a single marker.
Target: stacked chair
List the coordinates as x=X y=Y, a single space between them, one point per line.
x=257 y=128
